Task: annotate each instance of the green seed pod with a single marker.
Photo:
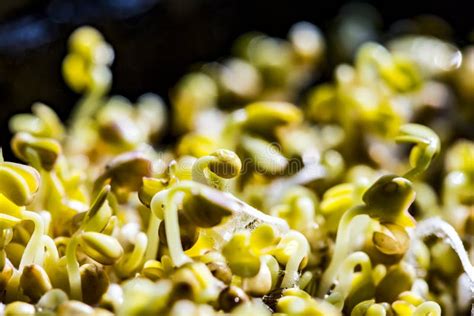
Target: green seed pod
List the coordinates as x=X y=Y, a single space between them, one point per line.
x=216 y=168
x=263 y=117
x=45 y=150
x=19 y=183
x=150 y=187
x=42 y=123
x=266 y=157
x=98 y=215
x=102 y=248
x=94 y=282
x=398 y=279
x=74 y=308
x=231 y=297
x=19 y=308
x=52 y=299
x=388 y=199
x=35 y=282
x=205 y=207
x=189 y=233
x=388 y=244
x=227 y=165
x=392 y=239
x=125 y=173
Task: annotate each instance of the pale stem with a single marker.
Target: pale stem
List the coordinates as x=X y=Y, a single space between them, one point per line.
x=291 y=271
x=34 y=249
x=74 y=275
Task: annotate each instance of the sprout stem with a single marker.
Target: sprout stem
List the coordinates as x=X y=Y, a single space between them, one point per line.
x=173 y=237
x=441 y=229
x=34 y=248
x=291 y=271
x=74 y=275
x=136 y=258
x=153 y=238
x=341 y=250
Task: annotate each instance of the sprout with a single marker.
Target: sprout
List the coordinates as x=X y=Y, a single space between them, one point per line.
x=44 y=122
x=355 y=285
x=194 y=195
x=440 y=228
x=398 y=73
x=292 y=249
x=104 y=219
x=40 y=152
x=216 y=168
x=35 y=282
x=387 y=200
x=427 y=146
x=125 y=173
x=94 y=283
x=131 y=262
x=102 y=248
x=19 y=183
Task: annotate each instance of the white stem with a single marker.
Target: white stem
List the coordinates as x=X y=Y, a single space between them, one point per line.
x=291 y=271
x=153 y=237
x=441 y=229
x=342 y=248
x=173 y=237
x=34 y=250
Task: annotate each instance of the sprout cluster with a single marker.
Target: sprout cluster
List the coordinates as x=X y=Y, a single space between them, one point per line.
x=344 y=204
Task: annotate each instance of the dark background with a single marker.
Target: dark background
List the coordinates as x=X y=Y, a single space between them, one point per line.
x=156 y=41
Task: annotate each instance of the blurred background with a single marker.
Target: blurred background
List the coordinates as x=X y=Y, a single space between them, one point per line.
x=157 y=41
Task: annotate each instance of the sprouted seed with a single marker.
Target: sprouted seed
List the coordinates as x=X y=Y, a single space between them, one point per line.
x=345 y=202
